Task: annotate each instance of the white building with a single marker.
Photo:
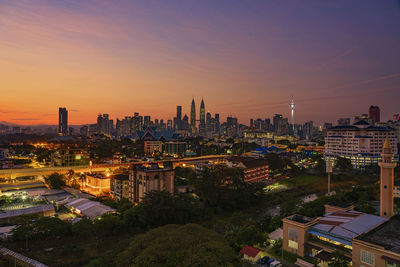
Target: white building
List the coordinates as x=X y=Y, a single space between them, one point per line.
x=360 y=142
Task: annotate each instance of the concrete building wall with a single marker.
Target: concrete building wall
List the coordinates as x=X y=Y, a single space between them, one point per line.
x=377 y=252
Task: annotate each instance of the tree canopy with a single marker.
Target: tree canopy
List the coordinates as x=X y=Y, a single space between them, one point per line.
x=55 y=180
x=174 y=245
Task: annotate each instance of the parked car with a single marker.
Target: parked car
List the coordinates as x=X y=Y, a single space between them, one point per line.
x=275 y=264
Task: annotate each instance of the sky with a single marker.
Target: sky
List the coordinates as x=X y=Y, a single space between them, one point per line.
x=246 y=58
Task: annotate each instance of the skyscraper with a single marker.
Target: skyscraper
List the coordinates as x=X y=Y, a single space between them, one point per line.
x=62 y=121
x=179 y=113
x=374 y=113
x=202 y=126
x=193 y=117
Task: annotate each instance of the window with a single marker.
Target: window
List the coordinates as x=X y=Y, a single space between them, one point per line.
x=391 y=264
x=367 y=257
x=293 y=238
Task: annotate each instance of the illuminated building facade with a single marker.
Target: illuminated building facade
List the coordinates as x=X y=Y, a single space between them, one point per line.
x=360 y=142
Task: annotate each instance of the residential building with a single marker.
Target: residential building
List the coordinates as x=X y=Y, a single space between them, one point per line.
x=360 y=142
x=143 y=179
x=119 y=186
x=255 y=170
x=252 y=254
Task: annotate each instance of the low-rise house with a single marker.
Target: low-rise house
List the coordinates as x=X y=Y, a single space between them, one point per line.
x=252 y=254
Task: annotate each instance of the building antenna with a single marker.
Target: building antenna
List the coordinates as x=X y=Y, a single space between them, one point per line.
x=292 y=106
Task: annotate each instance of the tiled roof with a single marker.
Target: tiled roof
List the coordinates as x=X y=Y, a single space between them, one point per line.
x=250 y=251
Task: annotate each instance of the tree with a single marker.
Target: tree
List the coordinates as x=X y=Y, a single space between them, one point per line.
x=321 y=165
x=174 y=245
x=33 y=226
x=69 y=177
x=338 y=260
x=343 y=164
x=55 y=180
x=275 y=163
x=160 y=207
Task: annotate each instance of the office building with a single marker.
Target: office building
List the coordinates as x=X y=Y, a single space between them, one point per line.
x=374 y=113
x=144 y=179
x=62 y=121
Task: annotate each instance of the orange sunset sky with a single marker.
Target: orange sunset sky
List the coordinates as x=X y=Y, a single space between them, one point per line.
x=246 y=58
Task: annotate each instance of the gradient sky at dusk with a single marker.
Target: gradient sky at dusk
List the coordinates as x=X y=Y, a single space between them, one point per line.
x=246 y=58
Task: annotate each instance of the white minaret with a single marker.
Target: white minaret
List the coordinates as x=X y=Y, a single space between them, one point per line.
x=292 y=113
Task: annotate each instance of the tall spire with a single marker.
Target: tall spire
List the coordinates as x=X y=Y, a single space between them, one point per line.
x=193 y=117
x=387 y=180
x=387 y=146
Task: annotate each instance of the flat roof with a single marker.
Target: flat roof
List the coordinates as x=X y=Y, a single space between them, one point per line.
x=299 y=218
x=386 y=235
x=31 y=210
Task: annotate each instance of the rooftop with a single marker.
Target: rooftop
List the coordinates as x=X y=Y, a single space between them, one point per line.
x=299 y=218
x=250 y=251
x=345 y=225
x=386 y=235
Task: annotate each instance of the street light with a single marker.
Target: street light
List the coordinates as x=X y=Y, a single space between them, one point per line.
x=329 y=165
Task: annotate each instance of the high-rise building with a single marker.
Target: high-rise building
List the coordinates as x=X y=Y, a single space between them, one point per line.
x=343 y=122
x=179 y=113
x=361 y=143
x=193 y=117
x=146 y=121
x=178 y=119
x=104 y=124
x=387 y=179
x=169 y=124
x=278 y=123
x=374 y=113
x=62 y=121
x=202 y=126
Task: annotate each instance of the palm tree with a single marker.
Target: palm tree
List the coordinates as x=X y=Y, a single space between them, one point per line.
x=338 y=260
x=82 y=178
x=70 y=176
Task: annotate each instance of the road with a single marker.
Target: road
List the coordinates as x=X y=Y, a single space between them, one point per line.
x=14 y=173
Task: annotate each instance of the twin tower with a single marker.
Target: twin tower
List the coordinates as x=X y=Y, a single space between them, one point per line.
x=202 y=125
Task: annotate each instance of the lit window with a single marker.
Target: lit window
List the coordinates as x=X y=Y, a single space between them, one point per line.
x=293 y=239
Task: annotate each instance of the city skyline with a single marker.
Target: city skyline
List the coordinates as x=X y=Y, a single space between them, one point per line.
x=245 y=58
